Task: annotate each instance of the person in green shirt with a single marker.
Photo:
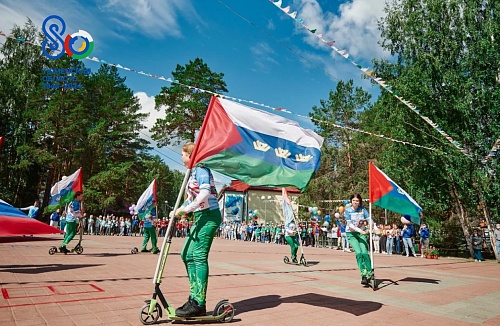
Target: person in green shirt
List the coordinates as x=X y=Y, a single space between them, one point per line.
x=257 y=233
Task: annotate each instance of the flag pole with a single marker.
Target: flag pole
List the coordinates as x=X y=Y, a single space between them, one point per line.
x=167 y=240
x=373 y=280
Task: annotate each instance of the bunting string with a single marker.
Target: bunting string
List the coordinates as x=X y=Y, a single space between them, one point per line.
x=172 y=81
x=370 y=74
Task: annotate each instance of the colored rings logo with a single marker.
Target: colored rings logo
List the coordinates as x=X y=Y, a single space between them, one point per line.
x=77 y=45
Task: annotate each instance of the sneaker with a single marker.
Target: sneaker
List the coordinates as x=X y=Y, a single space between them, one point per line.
x=364 y=280
x=191 y=309
x=144 y=250
x=63 y=249
x=155 y=251
x=475 y=259
x=184 y=306
x=407 y=255
x=294 y=260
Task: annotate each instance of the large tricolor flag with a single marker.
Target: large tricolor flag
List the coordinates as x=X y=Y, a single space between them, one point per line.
x=287 y=208
x=64 y=191
x=256 y=147
x=147 y=202
x=387 y=194
x=14 y=222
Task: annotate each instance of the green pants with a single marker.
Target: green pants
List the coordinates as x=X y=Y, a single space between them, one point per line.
x=70 y=233
x=294 y=245
x=150 y=233
x=359 y=244
x=195 y=251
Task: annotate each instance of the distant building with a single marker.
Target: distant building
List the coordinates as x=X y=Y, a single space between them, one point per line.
x=238 y=199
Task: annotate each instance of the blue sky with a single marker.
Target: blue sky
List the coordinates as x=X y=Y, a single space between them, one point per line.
x=265 y=56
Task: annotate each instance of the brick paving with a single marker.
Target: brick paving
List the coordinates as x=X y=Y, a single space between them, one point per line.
x=106 y=285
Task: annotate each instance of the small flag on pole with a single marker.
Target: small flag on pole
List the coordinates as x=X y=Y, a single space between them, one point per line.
x=64 y=191
x=385 y=193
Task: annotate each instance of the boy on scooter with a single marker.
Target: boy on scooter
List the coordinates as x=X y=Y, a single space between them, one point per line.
x=73 y=212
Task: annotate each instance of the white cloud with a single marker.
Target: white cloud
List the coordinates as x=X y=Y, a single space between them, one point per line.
x=355 y=28
x=263 y=59
x=151 y=17
x=148 y=107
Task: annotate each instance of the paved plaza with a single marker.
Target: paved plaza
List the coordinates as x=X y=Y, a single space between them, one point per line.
x=106 y=285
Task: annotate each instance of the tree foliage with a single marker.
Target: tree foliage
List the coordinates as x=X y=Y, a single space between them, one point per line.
x=53 y=132
x=185 y=108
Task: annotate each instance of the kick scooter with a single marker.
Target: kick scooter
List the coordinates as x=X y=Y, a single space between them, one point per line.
x=152 y=310
x=78 y=248
x=302 y=260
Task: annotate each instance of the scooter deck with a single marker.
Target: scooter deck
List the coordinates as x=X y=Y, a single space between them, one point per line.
x=203 y=318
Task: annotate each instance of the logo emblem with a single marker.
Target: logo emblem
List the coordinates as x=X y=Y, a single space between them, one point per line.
x=77 y=45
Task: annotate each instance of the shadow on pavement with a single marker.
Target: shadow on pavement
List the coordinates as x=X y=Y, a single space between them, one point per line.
x=383 y=282
x=353 y=307
x=109 y=254
x=39 y=269
x=24 y=239
x=419 y=280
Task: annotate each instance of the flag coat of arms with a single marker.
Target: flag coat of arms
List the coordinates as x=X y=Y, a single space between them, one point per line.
x=385 y=193
x=256 y=147
x=147 y=202
x=64 y=191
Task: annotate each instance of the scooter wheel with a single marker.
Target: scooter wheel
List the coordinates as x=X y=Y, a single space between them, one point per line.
x=78 y=249
x=303 y=261
x=226 y=309
x=286 y=260
x=52 y=250
x=146 y=318
x=134 y=250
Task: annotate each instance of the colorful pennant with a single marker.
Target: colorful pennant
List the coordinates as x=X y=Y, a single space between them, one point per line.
x=376 y=79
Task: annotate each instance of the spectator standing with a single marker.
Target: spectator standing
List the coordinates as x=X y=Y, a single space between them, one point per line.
x=62 y=222
x=477 y=244
x=390 y=240
x=424 y=238
x=496 y=234
x=376 y=242
x=54 y=218
x=90 y=225
x=335 y=236
x=407 y=234
x=343 y=235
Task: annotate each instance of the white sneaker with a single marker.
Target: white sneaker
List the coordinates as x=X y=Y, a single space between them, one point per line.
x=475 y=259
x=479 y=260
x=407 y=255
